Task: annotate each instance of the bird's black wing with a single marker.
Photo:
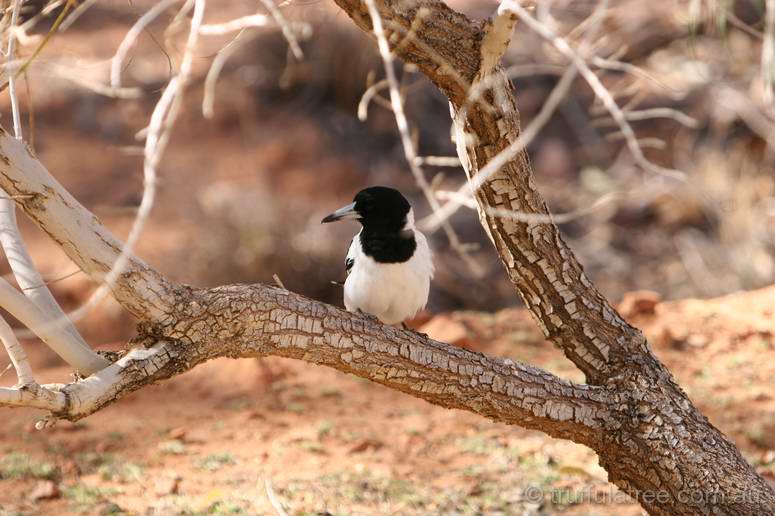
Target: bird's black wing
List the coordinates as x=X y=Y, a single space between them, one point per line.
x=349 y=260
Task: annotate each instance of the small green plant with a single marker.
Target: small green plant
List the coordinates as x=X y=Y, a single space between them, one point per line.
x=109 y=466
x=225 y=507
x=324 y=428
x=122 y=472
x=21 y=465
x=479 y=445
x=312 y=446
x=84 y=498
x=330 y=392
x=173 y=447
x=90 y=462
x=239 y=404
x=297 y=408
x=216 y=461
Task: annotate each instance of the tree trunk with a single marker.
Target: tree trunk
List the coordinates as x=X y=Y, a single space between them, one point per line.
x=656 y=446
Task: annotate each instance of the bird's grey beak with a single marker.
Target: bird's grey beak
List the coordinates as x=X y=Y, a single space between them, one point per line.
x=346 y=213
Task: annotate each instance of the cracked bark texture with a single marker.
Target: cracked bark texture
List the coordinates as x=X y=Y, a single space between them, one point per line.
x=661 y=450
x=653 y=442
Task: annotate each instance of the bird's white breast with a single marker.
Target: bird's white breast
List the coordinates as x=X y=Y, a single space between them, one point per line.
x=393 y=292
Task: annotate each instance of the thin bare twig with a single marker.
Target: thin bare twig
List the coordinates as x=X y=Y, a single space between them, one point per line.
x=372 y=92
x=278 y=281
x=162 y=120
x=17 y=123
x=652 y=113
x=406 y=139
x=117 y=63
x=645 y=143
x=7 y=368
x=276 y=505
x=768 y=52
x=288 y=32
x=439 y=161
x=76 y=14
x=649 y=189
x=600 y=90
x=238 y=24
x=629 y=68
x=71 y=71
x=47 y=9
x=208 y=98
x=55 y=280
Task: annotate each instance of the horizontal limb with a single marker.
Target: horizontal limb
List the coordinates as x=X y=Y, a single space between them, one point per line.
x=257 y=320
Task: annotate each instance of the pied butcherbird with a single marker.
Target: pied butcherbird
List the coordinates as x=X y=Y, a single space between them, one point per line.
x=389 y=264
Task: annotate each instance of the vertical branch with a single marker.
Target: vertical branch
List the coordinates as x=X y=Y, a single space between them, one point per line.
x=526 y=136
x=768 y=51
x=285 y=27
x=16 y=354
x=17 y=125
x=211 y=79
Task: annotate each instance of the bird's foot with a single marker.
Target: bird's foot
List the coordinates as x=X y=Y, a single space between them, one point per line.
x=371 y=317
x=421 y=334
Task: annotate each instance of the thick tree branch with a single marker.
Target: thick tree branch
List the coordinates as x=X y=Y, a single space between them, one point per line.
x=183 y=327
x=664 y=445
x=255 y=320
x=429 y=25
x=32 y=395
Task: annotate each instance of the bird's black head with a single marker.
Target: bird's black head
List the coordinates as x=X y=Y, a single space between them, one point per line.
x=378 y=208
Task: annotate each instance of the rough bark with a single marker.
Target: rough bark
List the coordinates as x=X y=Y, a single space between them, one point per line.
x=182 y=326
x=654 y=443
x=665 y=453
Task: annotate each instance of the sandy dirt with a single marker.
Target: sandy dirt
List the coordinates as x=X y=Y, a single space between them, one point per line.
x=211 y=440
